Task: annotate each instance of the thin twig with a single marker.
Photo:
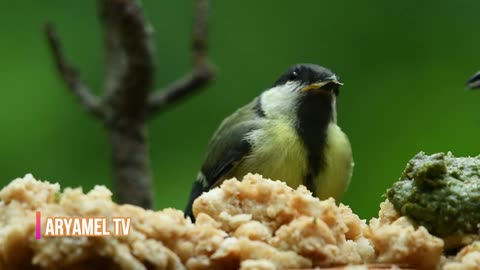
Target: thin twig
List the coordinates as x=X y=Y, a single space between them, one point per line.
x=202 y=71
x=71 y=77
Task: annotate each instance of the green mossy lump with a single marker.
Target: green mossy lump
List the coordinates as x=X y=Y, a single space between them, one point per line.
x=440 y=192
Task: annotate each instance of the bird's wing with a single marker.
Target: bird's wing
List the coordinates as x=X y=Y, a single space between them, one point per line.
x=228 y=145
x=225 y=152
x=226 y=148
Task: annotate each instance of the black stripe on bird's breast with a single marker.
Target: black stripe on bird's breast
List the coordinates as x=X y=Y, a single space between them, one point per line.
x=314 y=114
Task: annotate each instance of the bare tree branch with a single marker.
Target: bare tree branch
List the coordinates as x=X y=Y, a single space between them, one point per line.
x=71 y=77
x=129 y=79
x=177 y=91
x=127 y=100
x=129 y=56
x=200 y=75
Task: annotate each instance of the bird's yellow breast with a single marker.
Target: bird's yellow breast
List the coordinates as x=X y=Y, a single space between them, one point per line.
x=333 y=179
x=277 y=153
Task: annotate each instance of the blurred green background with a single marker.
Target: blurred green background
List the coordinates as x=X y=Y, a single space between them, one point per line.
x=404 y=65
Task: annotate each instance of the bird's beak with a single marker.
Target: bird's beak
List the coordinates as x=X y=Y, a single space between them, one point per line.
x=474 y=81
x=320 y=85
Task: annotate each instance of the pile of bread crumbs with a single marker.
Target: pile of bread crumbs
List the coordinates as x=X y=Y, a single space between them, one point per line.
x=251 y=224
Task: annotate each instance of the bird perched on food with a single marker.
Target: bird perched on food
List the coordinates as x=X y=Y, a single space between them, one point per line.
x=474 y=81
x=289 y=132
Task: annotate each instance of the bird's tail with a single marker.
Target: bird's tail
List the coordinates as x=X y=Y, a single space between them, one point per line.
x=197 y=190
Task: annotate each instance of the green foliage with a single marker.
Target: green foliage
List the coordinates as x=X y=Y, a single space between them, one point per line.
x=404 y=65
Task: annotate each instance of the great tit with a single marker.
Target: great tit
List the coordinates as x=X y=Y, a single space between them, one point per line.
x=474 y=81
x=288 y=133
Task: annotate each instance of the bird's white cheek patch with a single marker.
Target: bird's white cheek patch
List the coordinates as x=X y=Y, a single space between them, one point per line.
x=280 y=101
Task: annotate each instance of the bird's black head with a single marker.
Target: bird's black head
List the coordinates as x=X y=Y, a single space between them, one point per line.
x=310 y=77
x=305 y=93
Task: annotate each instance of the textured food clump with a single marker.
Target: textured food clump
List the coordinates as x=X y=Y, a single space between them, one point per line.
x=288 y=219
x=396 y=240
x=440 y=192
x=167 y=240
x=467 y=259
x=251 y=224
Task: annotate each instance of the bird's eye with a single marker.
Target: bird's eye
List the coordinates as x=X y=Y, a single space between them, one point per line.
x=293 y=76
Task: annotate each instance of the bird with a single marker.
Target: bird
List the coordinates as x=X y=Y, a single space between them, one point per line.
x=474 y=81
x=289 y=132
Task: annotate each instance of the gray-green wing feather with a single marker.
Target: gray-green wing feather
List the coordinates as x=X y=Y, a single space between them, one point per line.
x=226 y=148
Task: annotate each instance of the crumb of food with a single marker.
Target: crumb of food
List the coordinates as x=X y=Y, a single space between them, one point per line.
x=467 y=259
x=398 y=241
x=460 y=240
x=253 y=230
x=251 y=224
x=262 y=264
